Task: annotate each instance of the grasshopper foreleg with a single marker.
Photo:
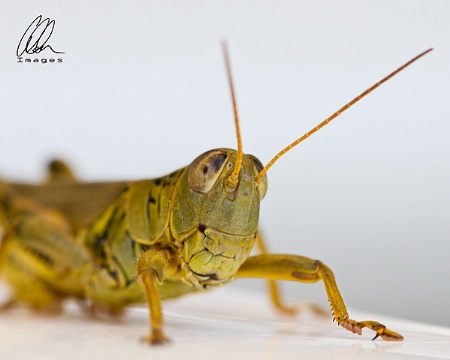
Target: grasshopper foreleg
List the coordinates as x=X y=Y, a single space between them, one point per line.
x=302 y=269
x=152 y=267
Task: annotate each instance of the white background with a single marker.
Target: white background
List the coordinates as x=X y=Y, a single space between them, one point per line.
x=142 y=91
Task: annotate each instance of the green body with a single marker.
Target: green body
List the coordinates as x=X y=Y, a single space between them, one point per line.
x=70 y=239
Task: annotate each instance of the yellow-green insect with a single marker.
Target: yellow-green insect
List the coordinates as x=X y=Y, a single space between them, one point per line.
x=117 y=243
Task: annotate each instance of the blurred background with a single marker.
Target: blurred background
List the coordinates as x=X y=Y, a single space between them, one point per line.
x=142 y=91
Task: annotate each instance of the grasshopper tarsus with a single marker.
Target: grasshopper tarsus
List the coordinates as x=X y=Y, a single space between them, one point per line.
x=380 y=329
x=157 y=338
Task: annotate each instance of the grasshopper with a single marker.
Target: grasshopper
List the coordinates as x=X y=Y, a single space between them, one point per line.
x=111 y=244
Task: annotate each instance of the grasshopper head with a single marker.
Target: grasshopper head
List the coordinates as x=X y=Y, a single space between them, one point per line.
x=216 y=222
x=216 y=209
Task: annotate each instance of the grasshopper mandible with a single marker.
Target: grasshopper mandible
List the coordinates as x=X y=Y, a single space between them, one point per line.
x=115 y=243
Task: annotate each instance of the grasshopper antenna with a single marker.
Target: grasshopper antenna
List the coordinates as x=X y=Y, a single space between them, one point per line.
x=332 y=117
x=234 y=177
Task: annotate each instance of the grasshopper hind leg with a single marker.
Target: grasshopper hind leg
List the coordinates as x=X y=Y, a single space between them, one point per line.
x=39 y=258
x=27 y=289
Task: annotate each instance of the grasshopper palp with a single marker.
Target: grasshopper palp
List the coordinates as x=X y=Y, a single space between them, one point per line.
x=117 y=243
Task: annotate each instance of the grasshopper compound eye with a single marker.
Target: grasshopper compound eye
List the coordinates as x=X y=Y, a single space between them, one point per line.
x=205 y=170
x=262 y=186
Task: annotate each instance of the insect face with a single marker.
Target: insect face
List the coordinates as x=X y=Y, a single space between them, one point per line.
x=218 y=237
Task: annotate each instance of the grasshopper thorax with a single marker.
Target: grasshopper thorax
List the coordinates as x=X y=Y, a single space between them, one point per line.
x=215 y=224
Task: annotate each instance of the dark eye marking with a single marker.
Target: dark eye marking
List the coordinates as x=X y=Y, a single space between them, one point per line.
x=257 y=163
x=205 y=169
x=217 y=163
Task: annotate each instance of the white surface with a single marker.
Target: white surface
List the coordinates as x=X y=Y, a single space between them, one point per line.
x=142 y=91
x=224 y=324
